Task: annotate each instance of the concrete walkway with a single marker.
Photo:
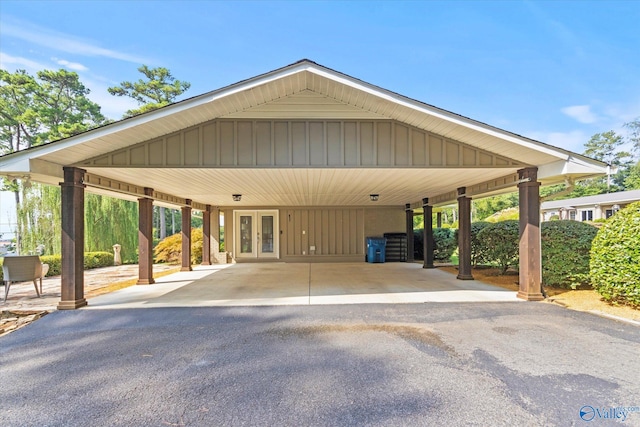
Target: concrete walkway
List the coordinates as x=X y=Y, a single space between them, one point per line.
x=302 y=284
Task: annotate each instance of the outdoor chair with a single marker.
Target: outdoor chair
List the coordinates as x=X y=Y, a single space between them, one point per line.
x=23 y=269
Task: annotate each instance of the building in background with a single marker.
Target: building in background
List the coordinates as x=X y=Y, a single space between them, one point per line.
x=588 y=208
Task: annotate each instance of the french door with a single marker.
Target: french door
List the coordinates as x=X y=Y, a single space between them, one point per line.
x=256 y=234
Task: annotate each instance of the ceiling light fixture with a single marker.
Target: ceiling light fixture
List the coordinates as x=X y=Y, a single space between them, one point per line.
x=374 y=197
x=236 y=197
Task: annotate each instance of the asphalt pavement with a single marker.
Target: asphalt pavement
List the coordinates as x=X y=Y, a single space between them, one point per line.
x=431 y=364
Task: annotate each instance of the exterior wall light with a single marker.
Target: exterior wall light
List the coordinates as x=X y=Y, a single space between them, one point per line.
x=236 y=197
x=374 y=197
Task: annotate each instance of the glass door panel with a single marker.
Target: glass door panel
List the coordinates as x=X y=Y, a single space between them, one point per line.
x=246 y=234
x=266 y=236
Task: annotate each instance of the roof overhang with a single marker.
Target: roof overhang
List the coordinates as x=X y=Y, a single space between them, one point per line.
x=298 y=92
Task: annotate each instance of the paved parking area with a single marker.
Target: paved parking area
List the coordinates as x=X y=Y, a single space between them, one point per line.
x=455 y=364
x=302 y=284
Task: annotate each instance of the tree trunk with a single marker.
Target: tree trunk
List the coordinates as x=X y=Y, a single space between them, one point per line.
x=163 y=222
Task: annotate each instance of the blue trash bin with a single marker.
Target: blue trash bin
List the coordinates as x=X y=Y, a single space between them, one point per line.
x=376 y=248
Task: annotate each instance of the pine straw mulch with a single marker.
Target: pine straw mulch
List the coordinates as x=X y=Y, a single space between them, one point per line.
x=579 y=299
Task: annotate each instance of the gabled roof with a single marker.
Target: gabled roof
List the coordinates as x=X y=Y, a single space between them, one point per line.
x=309 y=91
x=623 y=197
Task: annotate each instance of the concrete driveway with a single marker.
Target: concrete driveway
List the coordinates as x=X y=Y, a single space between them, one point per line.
x=252 y=284
x=431 y=364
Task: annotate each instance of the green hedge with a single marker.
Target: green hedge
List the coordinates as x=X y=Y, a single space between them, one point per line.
x=615 y=257
x=445 y=243
x=499 y=243
x=91 y=260
x=565 y=252
x=478 y=249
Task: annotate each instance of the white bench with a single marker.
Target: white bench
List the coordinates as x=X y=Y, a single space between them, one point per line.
x=23 y=269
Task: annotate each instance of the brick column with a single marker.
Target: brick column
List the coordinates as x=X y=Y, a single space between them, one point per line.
x=409 y=216
x=145 y=238
x=427 y=235
x=530 y=241
x=186 y=237
x=72 y=280
x=464 y=235
x=206 y=236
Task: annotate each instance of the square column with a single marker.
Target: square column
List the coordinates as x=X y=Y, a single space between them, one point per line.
x=206 y=236
x=409 y=214
x=145 y=239
x=72 y=280
x=186 y=237
x=530 y=240
x=464 y=235
x=428 y=241
x=439 y=219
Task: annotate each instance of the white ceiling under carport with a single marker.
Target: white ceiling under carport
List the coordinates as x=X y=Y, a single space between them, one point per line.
x=276 y=95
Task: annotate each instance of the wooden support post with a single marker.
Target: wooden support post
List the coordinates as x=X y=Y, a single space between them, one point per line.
x=530 y=241
x=145 y=238
x=72 y=280
x=409 y=216
x=464 y=235
x=215 y=235
x=439 y=219
x=428 y=241
x=206 y=236
x=186 y=237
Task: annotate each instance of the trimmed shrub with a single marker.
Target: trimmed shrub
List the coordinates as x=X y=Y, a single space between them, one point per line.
x=169 y=249
x=500 y=242
x=478 y=250
x=445 y=243
x=91 y=260
x=565 y=252
x=615 y=257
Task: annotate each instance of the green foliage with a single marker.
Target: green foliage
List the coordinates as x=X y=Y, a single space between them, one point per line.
x=478 y=250
x=615 y=257
x=39 y=220
x=486 y=207
x=505 y=215
x=109 y=221
x=55 y=264
x=501 y=243
x=632 y=181
x=158 y=90
x=565 y=252
x=169 y=250
x=445 y=243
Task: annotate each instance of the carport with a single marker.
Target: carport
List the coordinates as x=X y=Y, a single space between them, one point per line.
x=279 y=283
x=304 y=162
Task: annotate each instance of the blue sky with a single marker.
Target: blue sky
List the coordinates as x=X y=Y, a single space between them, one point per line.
x=555 y=71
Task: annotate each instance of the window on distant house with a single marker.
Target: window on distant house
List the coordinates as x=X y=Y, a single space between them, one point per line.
x=572 y=215
x=608 y=213
x=587 y=215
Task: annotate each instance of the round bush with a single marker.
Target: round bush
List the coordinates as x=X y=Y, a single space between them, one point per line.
x=445 y=243
x=169 y=249
x=615 y=257
x=500 y=242
x=478 y=250
x=565 y=252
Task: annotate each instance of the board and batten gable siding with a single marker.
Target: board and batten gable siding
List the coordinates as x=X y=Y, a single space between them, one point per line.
x=301 y=143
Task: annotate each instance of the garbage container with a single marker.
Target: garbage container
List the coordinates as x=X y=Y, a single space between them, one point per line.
x=376 y=249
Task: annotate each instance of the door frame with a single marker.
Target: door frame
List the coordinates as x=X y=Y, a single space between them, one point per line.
x=256 y=228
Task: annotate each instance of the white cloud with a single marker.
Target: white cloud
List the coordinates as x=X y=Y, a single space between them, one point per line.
x=62 y=42
x=581 y=113
x=14 y=62
x=70 y=65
